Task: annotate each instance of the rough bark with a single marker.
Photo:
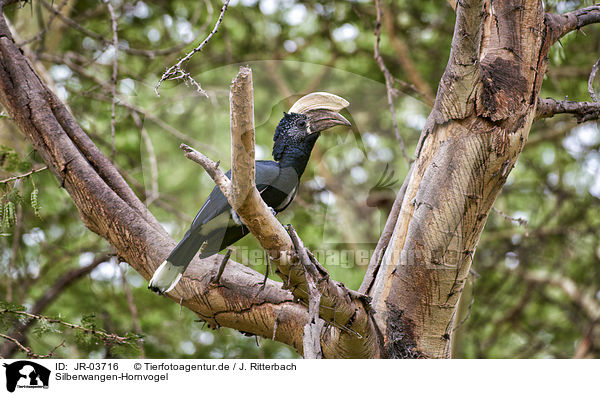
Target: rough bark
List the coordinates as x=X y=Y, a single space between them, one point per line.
x=485 y=105
x=108 y=207
x=345 y=310
x=483 y=112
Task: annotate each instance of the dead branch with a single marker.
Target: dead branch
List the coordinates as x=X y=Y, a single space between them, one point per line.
x=108 y=207
x=583 y=111
x=27 y=350
x=217 y=278
x=14 y=178
x=211 y=168
x=177 y=72
x=341 y=307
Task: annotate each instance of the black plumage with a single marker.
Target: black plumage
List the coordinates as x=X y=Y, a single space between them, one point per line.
x=217 y=226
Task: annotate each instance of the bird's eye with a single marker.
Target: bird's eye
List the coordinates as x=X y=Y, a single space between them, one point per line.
x=301 y=124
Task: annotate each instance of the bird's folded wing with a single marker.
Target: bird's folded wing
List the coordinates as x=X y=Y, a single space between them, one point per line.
x=267 y=173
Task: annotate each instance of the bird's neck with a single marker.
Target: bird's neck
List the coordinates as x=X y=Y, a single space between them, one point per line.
x=297 y=156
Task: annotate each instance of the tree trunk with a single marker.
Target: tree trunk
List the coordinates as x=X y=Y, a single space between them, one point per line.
x=484 y=109
x=485 y=105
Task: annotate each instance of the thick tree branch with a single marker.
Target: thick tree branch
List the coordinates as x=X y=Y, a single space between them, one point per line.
x=385 y=237
x=574 y=20
x=109 y=208
x=583 y=111
x=340 y=307
x=467 y=33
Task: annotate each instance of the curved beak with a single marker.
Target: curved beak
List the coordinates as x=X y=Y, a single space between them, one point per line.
x=320 y=120
x=322 y=110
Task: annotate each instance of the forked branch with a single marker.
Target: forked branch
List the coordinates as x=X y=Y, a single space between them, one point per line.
x=342 y=308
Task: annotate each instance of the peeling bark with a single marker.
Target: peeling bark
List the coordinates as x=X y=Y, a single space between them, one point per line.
x=486 y=102
x=483 y=112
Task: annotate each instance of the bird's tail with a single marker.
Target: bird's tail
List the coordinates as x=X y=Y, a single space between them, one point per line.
x=170 y=271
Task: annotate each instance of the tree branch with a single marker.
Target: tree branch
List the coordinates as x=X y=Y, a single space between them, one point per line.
x=212 y=168
x=574 y=20
x=467 y=33
x=583 y=111
x=108 y=207
x=312 y=329
x=177 y=72
x=339 y=306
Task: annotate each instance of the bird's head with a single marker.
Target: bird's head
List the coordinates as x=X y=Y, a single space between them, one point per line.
x=308 y=117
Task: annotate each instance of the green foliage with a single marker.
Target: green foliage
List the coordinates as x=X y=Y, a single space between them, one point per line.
x=11 y=161
x=293 y=47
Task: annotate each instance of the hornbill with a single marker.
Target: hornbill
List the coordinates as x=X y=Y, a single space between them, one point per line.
x=217 y=225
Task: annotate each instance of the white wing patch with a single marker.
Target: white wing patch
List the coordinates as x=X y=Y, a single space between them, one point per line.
x=287 y=200
x=236 y=218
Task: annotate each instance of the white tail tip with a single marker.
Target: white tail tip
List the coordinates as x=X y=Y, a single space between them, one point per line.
x=165 y=277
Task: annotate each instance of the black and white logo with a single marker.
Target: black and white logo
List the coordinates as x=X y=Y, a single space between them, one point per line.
x=26 y=374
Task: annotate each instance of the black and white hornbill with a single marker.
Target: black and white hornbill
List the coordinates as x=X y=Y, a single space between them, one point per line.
x=216 y=225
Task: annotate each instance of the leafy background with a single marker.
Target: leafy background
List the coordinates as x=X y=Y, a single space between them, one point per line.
x=545 y=223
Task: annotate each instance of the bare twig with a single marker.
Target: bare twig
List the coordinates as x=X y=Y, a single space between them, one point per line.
x=389 y=81
x=212 y=168
x=521 y=221
x=23 y=175
x=216 y=279
x=28 y=351
x=177 y=72
x=583 y=111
